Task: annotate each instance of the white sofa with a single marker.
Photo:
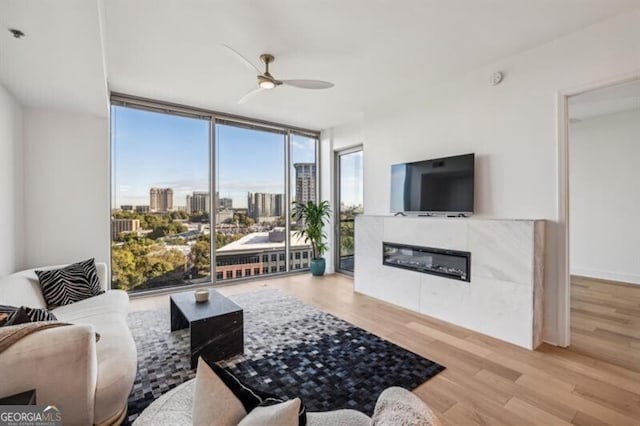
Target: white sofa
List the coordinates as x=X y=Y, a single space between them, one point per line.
x=89 y=381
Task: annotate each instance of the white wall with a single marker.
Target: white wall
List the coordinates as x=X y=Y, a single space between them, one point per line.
x=327 y=165
x=347 y=135
x=605 y=201
x=511 y=128
x=11 y=210
x=66 y=187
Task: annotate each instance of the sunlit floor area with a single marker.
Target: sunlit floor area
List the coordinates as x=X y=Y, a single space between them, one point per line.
x=605 y=321
x=486 y=382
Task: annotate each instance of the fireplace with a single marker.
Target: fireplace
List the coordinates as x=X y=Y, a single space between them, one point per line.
x=442 y=262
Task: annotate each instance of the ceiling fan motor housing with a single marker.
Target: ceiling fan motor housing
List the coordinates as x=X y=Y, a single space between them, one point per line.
x=267 y=58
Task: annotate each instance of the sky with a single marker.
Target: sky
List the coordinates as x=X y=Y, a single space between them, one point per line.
x=351 y=179
x=167 y=151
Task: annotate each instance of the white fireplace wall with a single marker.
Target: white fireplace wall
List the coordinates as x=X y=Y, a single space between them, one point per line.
x=504 y=296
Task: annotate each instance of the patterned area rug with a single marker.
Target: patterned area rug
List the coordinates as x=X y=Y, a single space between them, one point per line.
x=291 y=349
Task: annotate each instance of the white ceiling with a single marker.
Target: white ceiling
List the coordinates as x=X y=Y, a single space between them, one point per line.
x=59 y=64
x=605 y=101
x=373 y=50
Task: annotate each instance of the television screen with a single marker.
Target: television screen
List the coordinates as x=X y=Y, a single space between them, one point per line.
x=443 y=185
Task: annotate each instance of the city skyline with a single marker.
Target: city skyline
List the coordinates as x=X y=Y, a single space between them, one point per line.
x=161 y=150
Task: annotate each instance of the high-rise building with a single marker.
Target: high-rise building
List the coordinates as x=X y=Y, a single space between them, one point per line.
x=118 y=226
x=126 y=207
x=305 y=182
x=263 y=205
x=161 y=200
x=198 y=202
x=278 y=205
x=223 y=203
x=257 y=204
x=142 y=209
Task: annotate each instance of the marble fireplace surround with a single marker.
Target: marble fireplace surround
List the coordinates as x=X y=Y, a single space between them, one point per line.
x=503 y=298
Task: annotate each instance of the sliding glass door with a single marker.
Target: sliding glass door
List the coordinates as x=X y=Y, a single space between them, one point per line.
x=350 y=200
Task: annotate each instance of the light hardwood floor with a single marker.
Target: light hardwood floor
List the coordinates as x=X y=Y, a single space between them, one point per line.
x=605 y=321
x=487 y=382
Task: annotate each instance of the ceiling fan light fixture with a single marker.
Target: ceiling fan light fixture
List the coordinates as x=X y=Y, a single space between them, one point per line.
x=266 y=81
x=266 y=84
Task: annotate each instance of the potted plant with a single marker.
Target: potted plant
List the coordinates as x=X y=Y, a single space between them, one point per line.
x=313 y=217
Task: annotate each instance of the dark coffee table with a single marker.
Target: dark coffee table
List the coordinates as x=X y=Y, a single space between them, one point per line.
x=217 y=326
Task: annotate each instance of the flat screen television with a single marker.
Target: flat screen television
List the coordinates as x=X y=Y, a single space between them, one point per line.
x=440 y=186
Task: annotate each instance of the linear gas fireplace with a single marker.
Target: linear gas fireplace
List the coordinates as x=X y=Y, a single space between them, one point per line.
x=445 y=263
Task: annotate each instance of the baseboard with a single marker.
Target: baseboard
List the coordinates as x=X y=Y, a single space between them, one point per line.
x=607 y=275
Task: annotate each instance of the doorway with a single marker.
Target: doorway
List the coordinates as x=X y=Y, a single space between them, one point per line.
x=350 y=203
x=603 y=133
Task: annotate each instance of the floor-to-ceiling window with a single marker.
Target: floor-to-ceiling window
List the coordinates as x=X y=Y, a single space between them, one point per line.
x=350 y=200
x=251 y=206
x=303 y=189
x=160 y=221
x=199 y=198
x=253 y=230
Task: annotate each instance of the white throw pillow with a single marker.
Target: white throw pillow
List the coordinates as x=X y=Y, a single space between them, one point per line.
x=281 y=414
x=213 y=403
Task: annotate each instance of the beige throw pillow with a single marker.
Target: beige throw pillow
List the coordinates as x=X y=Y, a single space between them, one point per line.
x=213 y=403
x=282 y=414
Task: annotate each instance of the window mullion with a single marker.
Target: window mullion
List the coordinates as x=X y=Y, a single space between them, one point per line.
x=287 y=200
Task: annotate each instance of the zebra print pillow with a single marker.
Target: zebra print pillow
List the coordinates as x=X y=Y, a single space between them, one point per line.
x=70 y=284
x=7 y=314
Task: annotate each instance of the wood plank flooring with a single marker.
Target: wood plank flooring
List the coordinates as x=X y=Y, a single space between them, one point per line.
x=487 y=382
x=605 y=321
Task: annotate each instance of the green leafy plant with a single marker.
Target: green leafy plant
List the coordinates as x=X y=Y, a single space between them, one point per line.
x=313 y=218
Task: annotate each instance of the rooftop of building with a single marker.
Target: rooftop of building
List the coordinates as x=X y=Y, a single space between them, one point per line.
x=260 y=241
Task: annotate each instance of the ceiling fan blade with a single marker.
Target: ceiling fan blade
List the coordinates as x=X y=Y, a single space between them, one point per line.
x=242 y=58
x=250 y=94
x=308 y=84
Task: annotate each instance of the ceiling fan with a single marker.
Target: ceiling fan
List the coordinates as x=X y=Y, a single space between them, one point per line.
x=266 y=81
